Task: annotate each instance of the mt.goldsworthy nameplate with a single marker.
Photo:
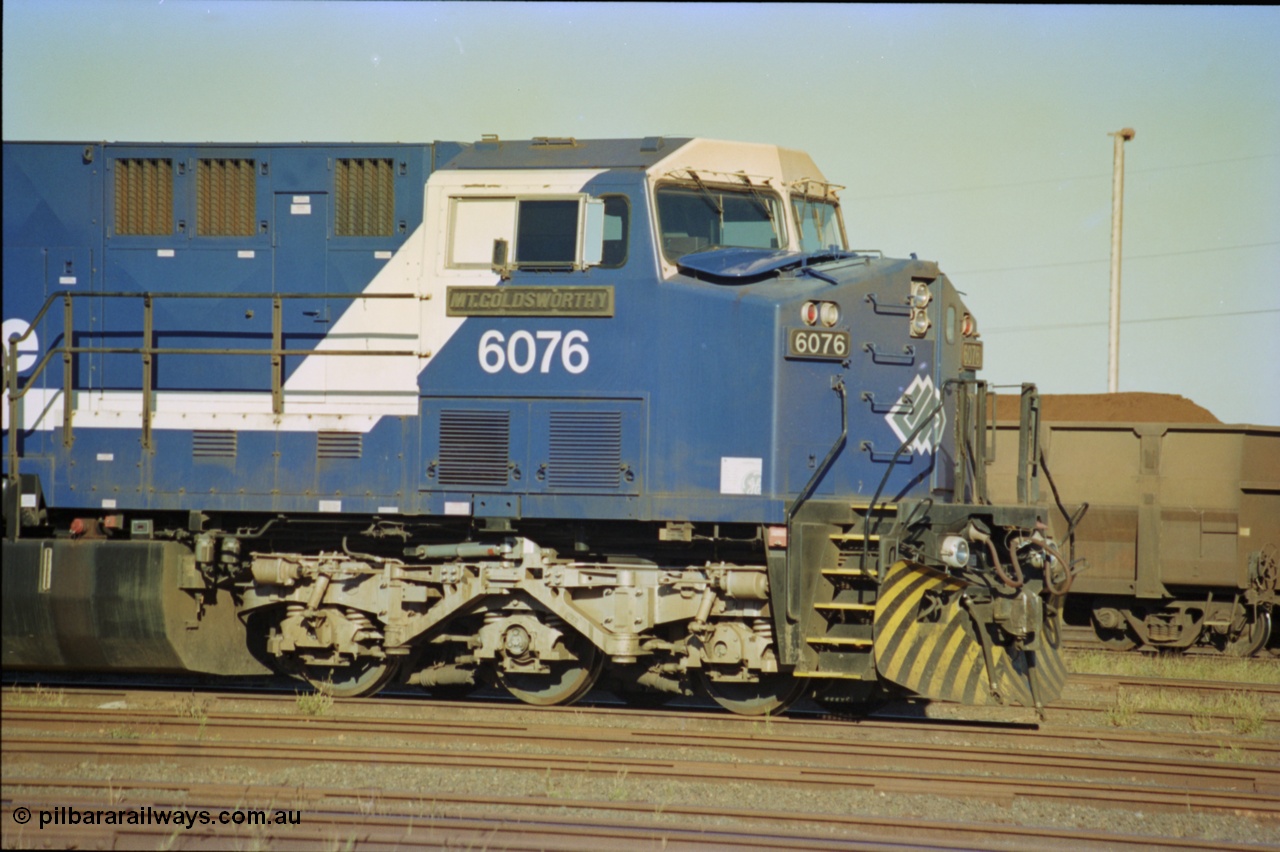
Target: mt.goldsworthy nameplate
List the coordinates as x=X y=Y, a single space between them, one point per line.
x=529 y=302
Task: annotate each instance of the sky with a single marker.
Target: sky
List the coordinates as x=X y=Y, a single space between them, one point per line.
x=976 y=136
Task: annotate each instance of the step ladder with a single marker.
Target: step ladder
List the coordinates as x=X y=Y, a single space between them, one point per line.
x=838 y=623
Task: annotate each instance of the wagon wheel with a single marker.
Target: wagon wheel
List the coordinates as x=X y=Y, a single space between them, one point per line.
x=363 y=677
x=771 y=694
x=567 y=681
x=1252 y=638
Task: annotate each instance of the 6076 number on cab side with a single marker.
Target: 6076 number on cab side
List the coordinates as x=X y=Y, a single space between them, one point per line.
x=813 y=343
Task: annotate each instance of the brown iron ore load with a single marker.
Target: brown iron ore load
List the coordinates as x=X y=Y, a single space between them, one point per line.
x=1111 y=408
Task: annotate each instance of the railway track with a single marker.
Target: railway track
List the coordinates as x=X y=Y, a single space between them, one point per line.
x=1065 y=724
x=449 y=821
x=1091 y=704
x=1156 y=785
x=1271 y=690
x=253 y=740
x=1067 y=728
x=612 y=762
x=1076 y=638
x=1083 y=691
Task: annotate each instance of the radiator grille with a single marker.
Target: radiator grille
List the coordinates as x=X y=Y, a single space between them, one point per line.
x=474 y=448
x=339 y=445
x=226 y=203
x=365 y=198
x=209 y=444
x=144 y=196
x=586 y=449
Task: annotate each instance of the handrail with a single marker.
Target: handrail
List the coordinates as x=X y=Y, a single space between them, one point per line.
x=149 y=353
x=1028 y=445
x=93 y=294
x=793 y=576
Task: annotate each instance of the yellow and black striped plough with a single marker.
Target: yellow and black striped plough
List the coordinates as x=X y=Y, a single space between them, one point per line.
x=933 y=638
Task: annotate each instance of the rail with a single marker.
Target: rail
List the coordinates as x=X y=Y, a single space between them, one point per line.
x=149 y=354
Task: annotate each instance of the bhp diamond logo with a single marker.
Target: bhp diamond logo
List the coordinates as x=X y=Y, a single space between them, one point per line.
x=915 y=404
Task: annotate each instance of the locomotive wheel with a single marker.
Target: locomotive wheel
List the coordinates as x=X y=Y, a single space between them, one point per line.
x=771 y=694
x=351 y=681
x=567 y=681
x=1253 y=639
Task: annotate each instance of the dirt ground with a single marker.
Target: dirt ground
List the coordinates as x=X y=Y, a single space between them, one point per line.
x=1110 y=408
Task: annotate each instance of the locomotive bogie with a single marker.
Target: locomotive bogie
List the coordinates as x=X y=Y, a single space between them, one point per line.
x=532 y=608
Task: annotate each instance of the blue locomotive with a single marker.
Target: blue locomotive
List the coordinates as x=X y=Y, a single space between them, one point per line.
x=524 y=413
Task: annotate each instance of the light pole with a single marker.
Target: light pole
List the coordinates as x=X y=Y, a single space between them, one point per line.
x=1117 y=221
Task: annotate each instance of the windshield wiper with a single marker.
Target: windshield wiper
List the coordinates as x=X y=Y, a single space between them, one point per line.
x=706 y=194
x=809 y=270
x=758 y=198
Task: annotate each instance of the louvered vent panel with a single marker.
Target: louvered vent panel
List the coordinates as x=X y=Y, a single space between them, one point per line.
x=365 y=198
x=474 y=447
x=226 y=202
x=208 y=444
x=144 y=196
x=339 y=445
x=586 y=449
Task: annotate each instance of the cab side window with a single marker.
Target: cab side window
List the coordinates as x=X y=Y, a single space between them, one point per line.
x=617 y=227
x=547 y=233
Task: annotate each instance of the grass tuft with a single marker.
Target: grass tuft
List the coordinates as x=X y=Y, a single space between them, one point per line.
x=38 y=696
x=316 y=703
x=1170 y=665
x=1233 y=753
x=1124 y=712
x=619 y=790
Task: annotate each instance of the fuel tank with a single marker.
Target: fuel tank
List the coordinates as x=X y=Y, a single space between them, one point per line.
x=137 y=606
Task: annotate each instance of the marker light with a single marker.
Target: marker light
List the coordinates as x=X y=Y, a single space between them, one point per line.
x=969 y=326
x=920 y=294
x=920 y=324
x=830 y=313
x=809 y=313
